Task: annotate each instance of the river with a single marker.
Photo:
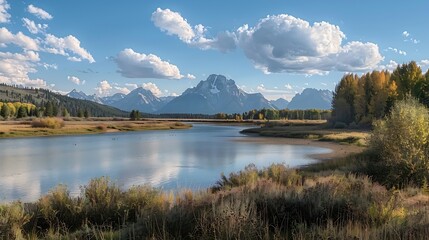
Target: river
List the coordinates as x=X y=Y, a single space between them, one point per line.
x=173 y=159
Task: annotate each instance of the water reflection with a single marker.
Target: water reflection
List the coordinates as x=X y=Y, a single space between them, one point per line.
x=169 y=159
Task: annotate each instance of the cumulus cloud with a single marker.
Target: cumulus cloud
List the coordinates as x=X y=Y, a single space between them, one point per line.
x=424 y=64
x=38 y=12
x=288 y=86
x=15 y=68
x=122 y=90
x=19 y=39
x=153 y=88
x=398 y=51
x=131 y=85
x=405 y=33
x=103 y=88
x=283 y=43
x=4 y=15
x=65 y=46
x=139 y=65
x=174 y=24
x=275 y=93
x=76 y=80
x=33 y=27
x=390 y=66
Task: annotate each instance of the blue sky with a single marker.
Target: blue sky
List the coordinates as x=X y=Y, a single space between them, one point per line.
x=273 y=47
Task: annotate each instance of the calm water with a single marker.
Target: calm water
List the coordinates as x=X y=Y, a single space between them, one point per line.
x=191 y=158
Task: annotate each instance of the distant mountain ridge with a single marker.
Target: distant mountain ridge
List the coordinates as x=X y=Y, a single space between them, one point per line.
x=214 y=95
x=39 y=97
x=312 y=98
x=280 y=103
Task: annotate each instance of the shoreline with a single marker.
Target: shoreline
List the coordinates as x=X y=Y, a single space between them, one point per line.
x=338 y=150
x=23 y=129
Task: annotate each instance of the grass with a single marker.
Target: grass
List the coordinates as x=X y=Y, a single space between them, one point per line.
x=271 y=203
x=317 y=130
x=52 y=127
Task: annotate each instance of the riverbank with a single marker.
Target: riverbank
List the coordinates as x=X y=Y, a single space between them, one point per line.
x=342 y=142
x=12 y=129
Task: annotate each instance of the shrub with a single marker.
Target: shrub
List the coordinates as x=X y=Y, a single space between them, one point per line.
x=401 y=144
x=12 y=220
x=49 y=122
x=340 y=125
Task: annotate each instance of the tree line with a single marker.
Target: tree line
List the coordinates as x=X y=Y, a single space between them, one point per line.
x=47 y=109
x=360 y=100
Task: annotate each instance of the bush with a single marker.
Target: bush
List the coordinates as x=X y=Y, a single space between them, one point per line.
x=340 y=125
x=401 y=144
x=49 y=122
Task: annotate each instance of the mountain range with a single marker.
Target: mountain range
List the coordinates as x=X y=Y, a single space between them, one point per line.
x=214 y=95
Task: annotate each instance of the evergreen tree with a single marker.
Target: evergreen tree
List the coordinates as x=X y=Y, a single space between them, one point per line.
x=86 y=113
x=5 y=112
x=22 y=112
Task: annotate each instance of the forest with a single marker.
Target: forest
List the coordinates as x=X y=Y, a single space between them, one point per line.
x=360 y=100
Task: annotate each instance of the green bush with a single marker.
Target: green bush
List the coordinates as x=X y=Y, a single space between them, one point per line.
x=401 y=144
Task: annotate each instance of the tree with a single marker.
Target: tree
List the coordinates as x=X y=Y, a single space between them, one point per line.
x=407 y=77
x=80 y=113
x=65 y=113
x=22 y=112
x=401 y=143
x=86 y=113
x=5 y=112
x=49 y=109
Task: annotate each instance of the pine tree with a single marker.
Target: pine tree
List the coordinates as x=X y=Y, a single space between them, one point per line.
x=5 y=112
x=22 y=112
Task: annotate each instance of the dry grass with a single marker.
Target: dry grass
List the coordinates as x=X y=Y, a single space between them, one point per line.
x=316 y=130
x=9 y=129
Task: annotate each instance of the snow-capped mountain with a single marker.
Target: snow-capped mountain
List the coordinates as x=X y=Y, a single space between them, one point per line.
x=81 y=95
x=139 y=99
x=214 y=95
x=312 y=98
x=109 y=100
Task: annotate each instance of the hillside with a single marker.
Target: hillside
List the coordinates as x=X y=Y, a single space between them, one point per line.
x=40 y=97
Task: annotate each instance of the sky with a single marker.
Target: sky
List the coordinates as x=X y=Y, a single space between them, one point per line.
x=274 y=47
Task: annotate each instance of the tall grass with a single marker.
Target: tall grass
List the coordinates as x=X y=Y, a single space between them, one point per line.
x=273 y=203
x=48 y=122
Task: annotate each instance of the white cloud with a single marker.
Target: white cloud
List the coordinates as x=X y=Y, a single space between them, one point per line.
x=390 y=66
x=103 y=88
x=48 y=66
x=190 y=76
x=131 y=85
x=63 y=46
x=19 y=39
x=424 y=64
x=4 y=15
x=74 y=59
x=38 y=12
x=139 y=65
x=33 y=27
x=407 y=37
x=76 y=80
x=174 y=24
x=324 y=84
x=395 y=50
x=288 y=86
x=15 y=68
x=273 y=94
x=283 y=43
x=123 y=90
x=153 y=88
